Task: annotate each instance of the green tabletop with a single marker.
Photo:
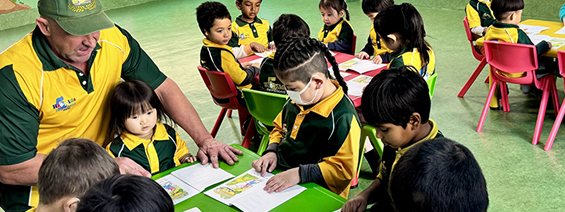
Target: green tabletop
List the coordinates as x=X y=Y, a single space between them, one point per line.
x=314 y=198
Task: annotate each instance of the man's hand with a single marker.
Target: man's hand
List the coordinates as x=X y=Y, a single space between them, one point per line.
x=362 y=55
x=210 y=148
x=268 y=161
x=256 y=47
x=283 y=180
x=359 y=203
x=128 y=166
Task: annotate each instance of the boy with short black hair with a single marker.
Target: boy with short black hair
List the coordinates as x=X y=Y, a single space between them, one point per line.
x=397 y=103
x=126 y=193
x=438 y=175
x=375 y=47
x=69 y=170
x=248 y=29
x=288 y=25
x=214 y=21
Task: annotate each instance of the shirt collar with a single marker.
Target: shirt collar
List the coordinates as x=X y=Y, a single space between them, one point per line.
x=503 y=25
x=433 y=133
x=325 y=107
x=208 y=43
x=396 y=54
x=240 y=22
x=131 y=141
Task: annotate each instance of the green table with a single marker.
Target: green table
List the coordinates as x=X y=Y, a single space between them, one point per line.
x=314 y=198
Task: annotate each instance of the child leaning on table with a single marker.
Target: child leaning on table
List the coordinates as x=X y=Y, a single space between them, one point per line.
x=126 y=193
x=69 y=171
x=137 y=131
x=375 y=47
x=479 y=16
x=337 y=32
x=287 y=25
x=508 y=13
x=248 y=29
x=397 y=103
x=214 y=21
x=402 y=29
x=317 y=134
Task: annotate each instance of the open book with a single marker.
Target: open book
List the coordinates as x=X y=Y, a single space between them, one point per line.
x=189 y=181
x=359 y=66
x=246 y=192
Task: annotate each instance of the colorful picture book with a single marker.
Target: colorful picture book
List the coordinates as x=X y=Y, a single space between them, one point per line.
x=246 y=192
x=187 y=182
x=357 y=84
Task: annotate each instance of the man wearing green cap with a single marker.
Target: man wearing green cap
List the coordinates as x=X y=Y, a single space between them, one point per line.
x=55 y=84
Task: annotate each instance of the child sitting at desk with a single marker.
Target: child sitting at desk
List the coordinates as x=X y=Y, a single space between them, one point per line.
x=508 y=13
x=397 y=103
x=287 y=25
x=214 y=21
x=479 y=16
x=337 y=32
x=375 y=47
x=317 y=134
x=402 y=29
x=250 y=30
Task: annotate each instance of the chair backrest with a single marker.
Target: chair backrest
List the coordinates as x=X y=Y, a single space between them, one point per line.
x=353 y=44
x=432 y=84
x=470 y=38
x=264 y=106
x=561 y=61
x=220 y=86
x=512 y=58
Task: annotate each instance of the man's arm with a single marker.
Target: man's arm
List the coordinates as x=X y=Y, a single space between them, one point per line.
x=183 y=113
x=24 y=173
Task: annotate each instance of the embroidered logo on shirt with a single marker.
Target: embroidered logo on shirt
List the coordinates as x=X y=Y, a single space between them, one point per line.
x=61 y=104
x=243 y=36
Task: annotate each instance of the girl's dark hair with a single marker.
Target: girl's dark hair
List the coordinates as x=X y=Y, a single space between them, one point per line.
x=405 y=21
x=394 y=95
x=289 y=25
x=131 y=97
x=501 y=8
x=337 y=5
x=375 y=6
x=299 y=57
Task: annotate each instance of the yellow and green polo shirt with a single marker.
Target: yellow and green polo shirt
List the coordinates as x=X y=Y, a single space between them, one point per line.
x=244 y=33
x=375 y=45
x=44 y=100
x=268 y=80
x=327 y=133
x=391 y=156
x=217 y=57
x=162 y=152
x=339 y=37
x=411 y=56
x=479 y=14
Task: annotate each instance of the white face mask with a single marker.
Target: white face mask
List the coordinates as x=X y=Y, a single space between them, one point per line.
x=295 y=95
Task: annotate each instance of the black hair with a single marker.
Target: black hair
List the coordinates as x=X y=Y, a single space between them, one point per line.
x=501 y=8
x=394 y=95
x=438 y=175
x=129 y=98
x=375 y=6
x=405 y=21
x=297 y=58
x=289 y=25
x=239 y=1
x=123 y=193
x=208 y=12
x=337 y=5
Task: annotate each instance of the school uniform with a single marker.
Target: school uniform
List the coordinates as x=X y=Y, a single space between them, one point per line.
x=376 y=47
x=323 y=140
x=244 y=33
x=163 y=151
x=479 y=15
x=268 y=80
x=339 y=36
x=216 y=57
x=389 y=160
x=411 y=56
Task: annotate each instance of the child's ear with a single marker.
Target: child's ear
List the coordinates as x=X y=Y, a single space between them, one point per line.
x=393 y=37
x=71 y=204
x=206 y=33
x=341 y=13
x=319 y=81
x=238 y=5
x=415 y=120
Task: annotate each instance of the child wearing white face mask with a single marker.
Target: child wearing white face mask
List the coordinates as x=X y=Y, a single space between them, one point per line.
x=317 y=134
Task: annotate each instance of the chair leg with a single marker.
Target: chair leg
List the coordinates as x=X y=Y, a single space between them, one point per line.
x=248 y=134
x=218 y=122
x=555 y=128
x=472 y=78
x=541 y=113
x=486 y=108
x=504 y=97
x=554 y=98
x=229 y=113
x=486 y=79
x=263 y=145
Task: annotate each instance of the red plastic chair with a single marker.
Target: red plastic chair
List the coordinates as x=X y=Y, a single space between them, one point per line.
x=353 y=44
x=225 y=95
x=557 y=124
x=517 y=58
x=477 y=56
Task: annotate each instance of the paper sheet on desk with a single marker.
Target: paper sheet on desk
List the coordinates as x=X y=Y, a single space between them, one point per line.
x=177 y=189
x=556 y=42
x=561 y=31
x=343 y=74
x=532 y=30
x=265 y=53
x=359 y=66
x=357 y=84
x=201 y=176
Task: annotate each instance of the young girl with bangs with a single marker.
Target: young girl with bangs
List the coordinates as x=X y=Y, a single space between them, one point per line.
x=337 y=32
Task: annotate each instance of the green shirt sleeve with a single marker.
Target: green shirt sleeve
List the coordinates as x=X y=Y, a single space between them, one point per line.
x=19 y=121
x=139 y=65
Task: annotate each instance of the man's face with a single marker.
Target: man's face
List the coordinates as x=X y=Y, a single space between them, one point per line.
x=71 y=48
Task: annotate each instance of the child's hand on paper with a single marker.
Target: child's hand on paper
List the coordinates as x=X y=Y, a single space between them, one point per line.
x=256 y=47
x=188 y=158
x=362 y=55
x=266 y=163
x=377 y=59
x=283 y=180
x=359 y=203
x=272 y=47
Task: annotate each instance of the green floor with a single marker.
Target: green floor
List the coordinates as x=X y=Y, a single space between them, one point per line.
x=520 y=176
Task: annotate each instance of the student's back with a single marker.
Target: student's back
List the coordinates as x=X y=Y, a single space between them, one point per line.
x=479 y=16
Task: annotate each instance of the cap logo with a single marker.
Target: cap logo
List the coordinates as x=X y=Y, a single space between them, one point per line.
x=82 y=5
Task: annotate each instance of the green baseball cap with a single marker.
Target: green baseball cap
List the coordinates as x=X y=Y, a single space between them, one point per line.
x=76 y=17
